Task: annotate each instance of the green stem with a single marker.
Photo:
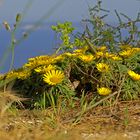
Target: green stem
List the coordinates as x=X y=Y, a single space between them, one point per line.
x=12 y=49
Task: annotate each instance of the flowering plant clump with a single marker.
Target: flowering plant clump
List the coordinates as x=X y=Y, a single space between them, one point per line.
x=100 y=71
x=98 y=62
x=100 y=74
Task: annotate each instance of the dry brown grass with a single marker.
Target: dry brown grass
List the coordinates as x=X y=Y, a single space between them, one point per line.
x=100 y=123
x=7 y=98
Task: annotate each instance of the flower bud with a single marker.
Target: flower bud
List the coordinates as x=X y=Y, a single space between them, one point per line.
x=6 y=25
x=18 y=17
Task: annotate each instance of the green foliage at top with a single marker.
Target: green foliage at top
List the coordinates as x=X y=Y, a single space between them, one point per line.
x=65 y=29
x=111 y=35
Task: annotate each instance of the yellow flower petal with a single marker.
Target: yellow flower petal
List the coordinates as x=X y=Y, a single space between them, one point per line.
x=104 y=91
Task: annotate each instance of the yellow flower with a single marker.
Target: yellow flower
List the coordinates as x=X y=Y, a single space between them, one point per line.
x=104 y=91
x=136 y=50
x=129 y=52
x=38 y=69
x=116 y=58
x=67 y=54
x=11 y=74
x=53 y=77
x=78 y=51
x=108 y=55
x=39 y=58
x=102 y=48
x=42 y=60
x=126 y=53
x=87 y=58
x=134 y=75
x=38 y=61
x=125 y=47
x=44 y=69
x=99 y=54
x=58 y=58
x=104 y=54
x=19 y=74
x=24 y=74
x=102 y=67
x=81 y=50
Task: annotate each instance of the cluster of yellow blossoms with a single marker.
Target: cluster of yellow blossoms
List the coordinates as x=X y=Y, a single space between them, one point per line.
x=42 y=65
x=20 y=74
x=46 y=65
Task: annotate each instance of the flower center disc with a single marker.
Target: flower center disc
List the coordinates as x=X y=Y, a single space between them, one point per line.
x=55 y=80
